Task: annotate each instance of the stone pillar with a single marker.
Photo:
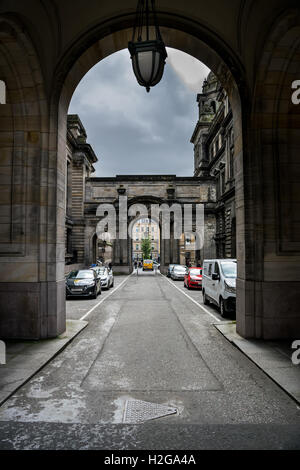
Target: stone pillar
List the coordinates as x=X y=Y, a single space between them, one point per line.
x=166 y=252
x=124 y=252
x=267 y=194
x=116 y=253
x=32 y=210
x=175 y=251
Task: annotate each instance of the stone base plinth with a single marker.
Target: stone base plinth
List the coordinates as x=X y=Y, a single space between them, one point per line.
x=32 y=310
x=268 y=310
x=123 y=269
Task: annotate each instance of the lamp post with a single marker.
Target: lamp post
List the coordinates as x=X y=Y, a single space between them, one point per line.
x=148 y=55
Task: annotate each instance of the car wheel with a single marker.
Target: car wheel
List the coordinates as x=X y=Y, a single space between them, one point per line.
x=205 y=299
x=222 y=308
x=189 y=287
x=94 y=296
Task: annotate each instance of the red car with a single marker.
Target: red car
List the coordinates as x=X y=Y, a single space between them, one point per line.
x=193 y=279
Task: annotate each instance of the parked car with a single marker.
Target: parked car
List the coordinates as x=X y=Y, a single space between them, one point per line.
x=106 y=276
x=156 y=264
x=148 y=265
x=83 y=282
x=171 y=266
x=178 y=272
x=193 y=278
x=219 y=284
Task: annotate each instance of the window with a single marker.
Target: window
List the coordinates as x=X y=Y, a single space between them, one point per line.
x=220 y=140
x=69 y=240
x=2 y=92
x=137 y=247
x=229 y=269
x=217 y=269
x=231 y=167
x=226 y=106
x=231 y=138
x=69 y=189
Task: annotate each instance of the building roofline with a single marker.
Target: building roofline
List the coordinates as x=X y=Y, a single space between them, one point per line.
x=156 y=178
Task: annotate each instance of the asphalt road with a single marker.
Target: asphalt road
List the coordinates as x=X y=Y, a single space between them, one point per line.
x=149 y=339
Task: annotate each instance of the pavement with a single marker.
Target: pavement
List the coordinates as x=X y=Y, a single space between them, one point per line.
x=273 y=357
x=25 y=358
x=149 y=342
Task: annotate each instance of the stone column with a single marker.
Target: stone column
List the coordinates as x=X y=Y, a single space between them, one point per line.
x=166 y=252
x=175 y=251
x=32 y=210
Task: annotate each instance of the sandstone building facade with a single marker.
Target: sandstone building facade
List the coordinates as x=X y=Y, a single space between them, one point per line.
x=80 y=159
x=145 y=228
x=213 y=140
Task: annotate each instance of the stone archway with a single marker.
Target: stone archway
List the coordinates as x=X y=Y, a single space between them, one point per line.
x=159 y=197
x=132 y=224
x=180 y=34
x=266 y=162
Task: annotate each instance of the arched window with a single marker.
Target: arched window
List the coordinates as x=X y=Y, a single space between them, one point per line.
x=2 y=92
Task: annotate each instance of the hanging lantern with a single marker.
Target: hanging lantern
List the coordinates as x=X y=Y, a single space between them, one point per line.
x=148 y=55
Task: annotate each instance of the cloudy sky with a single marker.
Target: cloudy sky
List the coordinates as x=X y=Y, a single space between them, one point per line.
x=135 y=132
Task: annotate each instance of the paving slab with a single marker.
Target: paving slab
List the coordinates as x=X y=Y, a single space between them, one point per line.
x=271 y=356
x=25 y=358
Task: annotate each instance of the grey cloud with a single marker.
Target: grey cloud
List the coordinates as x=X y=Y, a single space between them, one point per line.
x=133 y=132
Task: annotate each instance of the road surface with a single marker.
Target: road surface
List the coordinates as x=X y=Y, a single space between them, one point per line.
x=150 y=340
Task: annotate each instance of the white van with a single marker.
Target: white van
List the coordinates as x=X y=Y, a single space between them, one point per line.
x=219 y=284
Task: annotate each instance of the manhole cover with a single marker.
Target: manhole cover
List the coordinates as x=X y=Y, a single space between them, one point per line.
x=137 y=411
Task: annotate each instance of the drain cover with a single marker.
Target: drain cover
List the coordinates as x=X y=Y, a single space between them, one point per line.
x=137 y=411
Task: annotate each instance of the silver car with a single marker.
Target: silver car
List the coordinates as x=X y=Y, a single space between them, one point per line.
x=178 y=273
x=106 y=276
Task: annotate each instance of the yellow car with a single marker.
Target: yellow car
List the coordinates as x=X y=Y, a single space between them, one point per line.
x=148 y=265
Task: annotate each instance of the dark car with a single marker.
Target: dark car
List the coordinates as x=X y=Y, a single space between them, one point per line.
x=83 y=282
